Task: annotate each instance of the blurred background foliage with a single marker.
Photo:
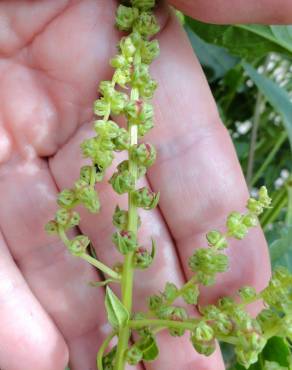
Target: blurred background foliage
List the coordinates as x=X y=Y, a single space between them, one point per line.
x=249 y=70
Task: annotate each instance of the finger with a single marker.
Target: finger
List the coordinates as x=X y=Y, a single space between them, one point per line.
x=237 y=11
x=197 y=170
x=29 y=339
x=59 y=281
x=165 y=268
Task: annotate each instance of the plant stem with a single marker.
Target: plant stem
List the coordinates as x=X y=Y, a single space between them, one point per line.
x=289 y=208
x=172 y=324
x=94 y=262
x=102 y=349
x=279 y=201
x=254 y=134
x=128 y=269
x=282 y=138
x=101 y=266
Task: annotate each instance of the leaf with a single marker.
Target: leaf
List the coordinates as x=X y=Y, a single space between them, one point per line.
x=281 y=249
x=276 y=95
x=215 y=60
x=149 y=348
x=277 y=350
x=118 y=315
x=246 y=41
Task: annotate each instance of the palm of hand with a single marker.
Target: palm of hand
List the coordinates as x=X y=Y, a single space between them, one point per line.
x=52 y=55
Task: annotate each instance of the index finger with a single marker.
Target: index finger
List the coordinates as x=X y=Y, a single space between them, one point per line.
x=237 y=11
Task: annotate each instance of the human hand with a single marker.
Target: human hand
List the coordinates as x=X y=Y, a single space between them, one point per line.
x=53 y=54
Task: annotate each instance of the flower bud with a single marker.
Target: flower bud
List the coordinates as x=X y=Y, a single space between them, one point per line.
x=66 y=198
x=120 y=218
x=134 y=355
x=203 y=332
x=52 y=227
x=89 y=198
x=122 y=141
x=178 y=314
x=85 y=174
x=142 y=258
x=191 y=294
x=216 y=239
x=122 y=182
x=125 y=241
x=235 y=226
x=208 y=262
x=250 y=220
x=107 y=129
x=254 y=206
x=119 y=61
x=155 y=302
x=139 y=111
x=145 y=127
x=222 y=324
x=149 y=51
x=62 y=216
x=127 y=47
x=146 y=199
x=146 y=24
x=101 y=107
x=79 y=245
x=144 y=154
x=122 y=76
x=247 y=294
x=264 y=198
x=204 y=348
x=147 y=89
x=125 y=17
x=170 y=291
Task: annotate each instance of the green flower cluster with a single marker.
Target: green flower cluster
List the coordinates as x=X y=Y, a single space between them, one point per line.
x=207 y=262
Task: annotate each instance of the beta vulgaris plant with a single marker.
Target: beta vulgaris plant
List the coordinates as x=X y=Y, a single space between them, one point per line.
x=228 y=320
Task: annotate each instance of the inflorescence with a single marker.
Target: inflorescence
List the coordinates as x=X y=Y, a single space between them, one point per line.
x=128 y=94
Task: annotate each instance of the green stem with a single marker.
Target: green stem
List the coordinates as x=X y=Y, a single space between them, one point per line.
x=172 y=324
x=102 y=349
x=279 y=202
x=101 y=266
x=94 y=262
x=128 y=269
x=282 y=138
x=289 y=208
x=256 y=122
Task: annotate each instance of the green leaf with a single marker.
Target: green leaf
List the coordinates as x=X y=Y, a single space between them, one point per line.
x=118 y=315
x=246 y=41
x=277 y=97
x=215 y=60
x=149 y=348
x=277 y=350
x=281 y=249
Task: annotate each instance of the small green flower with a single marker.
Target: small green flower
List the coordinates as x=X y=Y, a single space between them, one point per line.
x=122 y=182
x=191 y=294
x=144 y=154
x=146 y=199
x=134 y=355
x=78 y=245
x=125 y=17
x=146 y=24
x=66 y=198
x=125 y=241
x=216 y=239
x=120 y=218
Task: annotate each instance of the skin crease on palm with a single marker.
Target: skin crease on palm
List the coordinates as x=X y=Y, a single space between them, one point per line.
x=53 y=53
